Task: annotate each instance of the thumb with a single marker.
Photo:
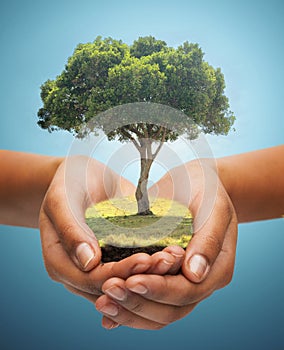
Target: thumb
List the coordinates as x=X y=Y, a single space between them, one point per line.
x=206 y=242
x=84 y=249
x=74 y=234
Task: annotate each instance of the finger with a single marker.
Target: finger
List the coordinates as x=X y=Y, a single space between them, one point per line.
x=162 y=262
x=174 y=290
x=208 y=238
x=178 y=290
x=61 y=269
x=108 y=323
x=75 y=235
x=116 y=290
x=121 y=316
x=78 y=183
x=168 y=261
x=179 y=254
x=197 y=186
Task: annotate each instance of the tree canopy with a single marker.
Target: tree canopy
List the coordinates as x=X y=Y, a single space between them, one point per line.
x=107 y=73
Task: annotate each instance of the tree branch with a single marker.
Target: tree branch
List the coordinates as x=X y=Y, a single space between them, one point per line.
x=145 y=128
x=156 y=135
x=161 y=143
x=130 y=137
x=135 y=131
x=161 y=129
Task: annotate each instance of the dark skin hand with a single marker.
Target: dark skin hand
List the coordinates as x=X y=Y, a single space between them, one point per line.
x=245 y=187
x=64 y=231
x=141 y=291
x=53 y=193
x=152 y=301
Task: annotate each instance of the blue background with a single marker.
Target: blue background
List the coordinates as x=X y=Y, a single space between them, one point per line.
x=244 y=38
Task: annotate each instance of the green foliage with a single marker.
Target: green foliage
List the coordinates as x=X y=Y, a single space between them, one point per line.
x=108 y=73
x=147 y=46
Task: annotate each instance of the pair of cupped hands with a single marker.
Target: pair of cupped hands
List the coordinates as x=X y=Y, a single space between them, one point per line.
x=141 y=291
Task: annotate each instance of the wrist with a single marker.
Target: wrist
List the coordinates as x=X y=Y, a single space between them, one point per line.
x=225 y=176
x=52 y=165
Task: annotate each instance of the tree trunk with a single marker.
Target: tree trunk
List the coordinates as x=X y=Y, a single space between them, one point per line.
x=147 y=157
x=141 y=193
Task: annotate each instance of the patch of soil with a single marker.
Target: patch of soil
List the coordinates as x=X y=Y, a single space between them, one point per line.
x=112 y=253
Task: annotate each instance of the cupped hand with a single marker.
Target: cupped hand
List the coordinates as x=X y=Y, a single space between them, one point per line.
x=153 y=301
x=78 y=183
x=71 y=252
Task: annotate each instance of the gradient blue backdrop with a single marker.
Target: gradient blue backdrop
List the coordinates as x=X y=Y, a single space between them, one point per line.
x=244 y=38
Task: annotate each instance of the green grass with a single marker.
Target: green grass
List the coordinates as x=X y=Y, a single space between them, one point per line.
x=114 y=222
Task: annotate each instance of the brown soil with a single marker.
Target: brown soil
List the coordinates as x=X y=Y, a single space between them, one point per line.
x=111 y=253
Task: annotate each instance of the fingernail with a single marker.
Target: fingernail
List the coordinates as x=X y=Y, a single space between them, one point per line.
x=110 y=309
x=107 y=323
x=198 y=266
x=84 y=254
x=166 y=262
x=114 y=325
x=178 y=256
x=116 y=293
x=139 y=289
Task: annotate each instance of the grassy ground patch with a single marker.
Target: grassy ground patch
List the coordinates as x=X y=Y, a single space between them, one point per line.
x=114 y=223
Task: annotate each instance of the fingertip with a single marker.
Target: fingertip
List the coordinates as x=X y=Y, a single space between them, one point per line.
x=178 y=254
x=137 y=288
x=175 y=250
x=164 y=256
x=132 y=281
x=162 y=263
x=196 y=268
x=109 y=324
x=142 y=262
x=87 y=256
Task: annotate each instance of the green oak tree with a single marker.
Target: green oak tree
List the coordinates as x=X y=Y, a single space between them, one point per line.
x=108 y=73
